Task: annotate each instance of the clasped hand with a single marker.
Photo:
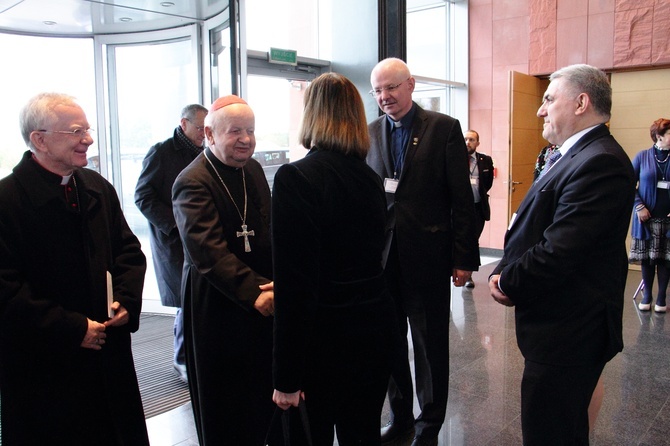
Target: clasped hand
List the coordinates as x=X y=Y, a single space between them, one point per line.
x=95 y=336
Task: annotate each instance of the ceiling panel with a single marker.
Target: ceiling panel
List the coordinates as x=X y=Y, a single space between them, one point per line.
x=88 y=17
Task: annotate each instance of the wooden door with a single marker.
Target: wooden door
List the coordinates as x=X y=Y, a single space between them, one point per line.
x=525 y=134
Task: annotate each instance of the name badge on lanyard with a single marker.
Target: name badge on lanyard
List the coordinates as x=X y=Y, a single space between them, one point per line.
x=663 y=184
x=390 y=185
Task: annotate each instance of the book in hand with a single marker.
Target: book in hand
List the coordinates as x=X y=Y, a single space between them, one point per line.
x=110 y=295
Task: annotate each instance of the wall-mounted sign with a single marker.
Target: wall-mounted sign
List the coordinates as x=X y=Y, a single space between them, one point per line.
x=287 y=57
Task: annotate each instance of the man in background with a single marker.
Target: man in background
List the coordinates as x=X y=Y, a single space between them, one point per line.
x=153 y=197
x=481 y=180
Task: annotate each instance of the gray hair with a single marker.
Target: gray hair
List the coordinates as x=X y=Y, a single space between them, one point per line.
x=582 y=78
x=191 y=110
x=39 y=113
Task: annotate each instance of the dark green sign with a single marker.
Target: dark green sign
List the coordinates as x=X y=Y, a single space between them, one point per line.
x=288 y=57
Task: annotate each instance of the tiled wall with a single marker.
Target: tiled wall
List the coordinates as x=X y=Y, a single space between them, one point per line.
x=538 y=36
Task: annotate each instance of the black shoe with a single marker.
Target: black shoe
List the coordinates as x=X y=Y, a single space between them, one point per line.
x=395 y=431
x=181 y=372
x=424 y=441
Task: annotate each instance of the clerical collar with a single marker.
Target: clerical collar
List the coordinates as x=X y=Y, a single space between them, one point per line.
x=405 y=121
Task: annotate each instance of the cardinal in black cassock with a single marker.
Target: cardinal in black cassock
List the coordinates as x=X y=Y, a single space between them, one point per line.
x=221 y=203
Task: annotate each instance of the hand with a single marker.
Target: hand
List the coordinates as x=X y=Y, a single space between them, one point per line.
x=286 y=400
x=497 y=293
x=460 y=277
x=95 y=336
x=643 y=215
x=121 y=316
x=265 y=303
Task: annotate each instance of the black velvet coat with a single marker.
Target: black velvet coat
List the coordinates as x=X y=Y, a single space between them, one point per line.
x=53 y=264
x=335 y=329
x=228 y=342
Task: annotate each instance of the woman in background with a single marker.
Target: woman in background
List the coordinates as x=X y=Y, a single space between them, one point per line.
x=651 y=221
x=334 y=323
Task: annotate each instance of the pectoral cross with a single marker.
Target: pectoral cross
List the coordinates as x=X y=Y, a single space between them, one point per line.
x=244 y=233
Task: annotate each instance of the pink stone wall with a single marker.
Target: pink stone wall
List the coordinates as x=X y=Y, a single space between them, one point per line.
x=537 y=37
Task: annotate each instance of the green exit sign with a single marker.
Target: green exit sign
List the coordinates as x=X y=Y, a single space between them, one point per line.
x=288 y=57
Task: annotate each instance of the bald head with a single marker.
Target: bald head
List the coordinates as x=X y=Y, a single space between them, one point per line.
x=392 y=64
x=392 y=85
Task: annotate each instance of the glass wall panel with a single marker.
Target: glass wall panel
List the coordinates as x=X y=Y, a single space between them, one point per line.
x=221 y=62
x=427 y=50
x=437 y=55
x=432 y=97
x=277 y=105
x=287 y=24
x=32 y=65
x=220 y=56
x=151 y=83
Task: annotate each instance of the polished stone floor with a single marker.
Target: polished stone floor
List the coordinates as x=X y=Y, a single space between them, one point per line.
x=485 y=378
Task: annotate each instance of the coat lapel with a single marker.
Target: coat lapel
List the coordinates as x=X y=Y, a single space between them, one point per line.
x=419 y=126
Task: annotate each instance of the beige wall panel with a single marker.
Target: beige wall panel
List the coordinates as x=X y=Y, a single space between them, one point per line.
x=630 y=81
x=639 y=98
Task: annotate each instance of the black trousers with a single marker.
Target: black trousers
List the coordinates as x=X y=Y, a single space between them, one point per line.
x=555 y=402
x=347 y=373
x=426 y=312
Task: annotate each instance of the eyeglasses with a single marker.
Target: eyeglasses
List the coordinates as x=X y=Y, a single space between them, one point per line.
x=79 y=133
x=199 y=128
x=390 y=88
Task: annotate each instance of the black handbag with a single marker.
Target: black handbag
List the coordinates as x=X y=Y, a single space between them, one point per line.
x=285 y=415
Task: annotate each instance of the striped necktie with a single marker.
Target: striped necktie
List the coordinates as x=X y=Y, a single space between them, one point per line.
x=555 y=155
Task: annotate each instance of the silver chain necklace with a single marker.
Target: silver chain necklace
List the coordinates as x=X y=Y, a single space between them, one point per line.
x=243 y=233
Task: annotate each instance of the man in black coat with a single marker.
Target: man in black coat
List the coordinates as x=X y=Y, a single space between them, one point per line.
x=153 y=197
x=66 y=367
x=481 y=180
x=430 y=235
x=564 y=265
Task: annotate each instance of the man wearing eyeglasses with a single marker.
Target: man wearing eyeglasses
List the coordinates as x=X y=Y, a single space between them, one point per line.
x=422 y=159
x=153 y=197
x=71 y=277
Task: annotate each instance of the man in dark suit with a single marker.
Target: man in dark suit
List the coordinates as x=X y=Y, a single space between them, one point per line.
x=481 y=180
x=564 y=265
x=153 y=197
x=421 y=157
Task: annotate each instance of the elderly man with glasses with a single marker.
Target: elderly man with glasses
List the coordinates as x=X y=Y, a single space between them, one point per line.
x=71 y=277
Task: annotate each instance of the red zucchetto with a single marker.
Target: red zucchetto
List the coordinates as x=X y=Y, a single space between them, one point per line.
x=225 y=101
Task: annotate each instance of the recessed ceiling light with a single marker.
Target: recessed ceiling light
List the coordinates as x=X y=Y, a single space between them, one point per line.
x=49 y=22
x=125 y=19
x=167 y=4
